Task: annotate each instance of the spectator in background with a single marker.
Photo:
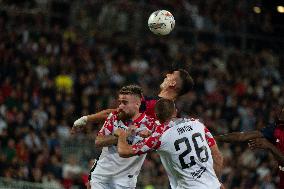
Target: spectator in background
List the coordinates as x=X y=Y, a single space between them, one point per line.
x=71 y=172
x=64 y=83
x=32 y=141
x=10 y=150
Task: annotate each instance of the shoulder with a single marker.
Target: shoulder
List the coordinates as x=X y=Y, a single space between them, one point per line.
x=197 y=122
x=166 y=129
x=191 y=121
x=149 y=122
x=150 y=119
x=148 y=103
x=147 y=119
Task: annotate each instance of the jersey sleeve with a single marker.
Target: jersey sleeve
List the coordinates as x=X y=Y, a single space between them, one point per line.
x=209 y=138
x=107 y=128
x=148 y=106
x=151 y=125
x=268 y=132
x=149 y=144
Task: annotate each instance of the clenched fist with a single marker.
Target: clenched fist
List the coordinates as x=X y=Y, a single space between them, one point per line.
x=79 y=124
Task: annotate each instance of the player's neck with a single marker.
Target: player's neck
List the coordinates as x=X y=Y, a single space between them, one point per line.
x=171 y=95
x=173 y=118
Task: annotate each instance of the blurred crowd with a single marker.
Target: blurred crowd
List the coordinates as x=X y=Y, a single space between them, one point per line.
x=51 y=74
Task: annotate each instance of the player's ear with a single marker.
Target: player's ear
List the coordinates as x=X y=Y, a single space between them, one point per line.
x=138 y=103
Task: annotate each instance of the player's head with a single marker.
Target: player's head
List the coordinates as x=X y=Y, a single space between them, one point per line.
x=178 y=81
x=165 y=109
x=129 y=101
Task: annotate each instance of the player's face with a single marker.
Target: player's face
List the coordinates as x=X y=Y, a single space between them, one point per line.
x=128 y=106
x=171 y=80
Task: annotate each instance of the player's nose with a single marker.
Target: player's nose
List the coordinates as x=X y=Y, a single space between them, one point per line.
x=120 y=107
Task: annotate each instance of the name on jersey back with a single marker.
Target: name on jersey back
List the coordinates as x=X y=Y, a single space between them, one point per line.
x=183 y=129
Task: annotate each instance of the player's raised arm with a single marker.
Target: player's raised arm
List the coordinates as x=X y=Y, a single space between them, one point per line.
x=93 y=118
x=146 y=145
x=100 y=116
x=239 y=136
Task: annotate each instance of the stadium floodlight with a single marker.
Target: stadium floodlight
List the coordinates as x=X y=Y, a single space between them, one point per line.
x=257 y=9
x=280 y=9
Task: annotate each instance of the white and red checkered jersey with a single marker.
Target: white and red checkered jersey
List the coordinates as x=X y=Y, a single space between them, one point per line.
x=184 y=148
x=110 y=167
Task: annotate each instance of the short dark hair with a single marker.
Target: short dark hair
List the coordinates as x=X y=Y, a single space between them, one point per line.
x=187 y=82
x=132 y=89
x=164 y=109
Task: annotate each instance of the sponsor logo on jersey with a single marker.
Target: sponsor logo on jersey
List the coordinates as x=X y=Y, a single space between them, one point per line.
x=197 y=174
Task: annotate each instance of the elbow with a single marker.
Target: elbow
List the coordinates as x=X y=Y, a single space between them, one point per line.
x=98 y=143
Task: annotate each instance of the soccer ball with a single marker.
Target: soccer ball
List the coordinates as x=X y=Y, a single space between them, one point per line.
x=161 y=22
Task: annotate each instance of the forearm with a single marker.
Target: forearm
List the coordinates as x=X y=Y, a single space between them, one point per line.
x=217 y=160
x=123 y=148
x=102 y=141
x=100 y=116
x=279 y=156
x=238 y=136
x=218 y=167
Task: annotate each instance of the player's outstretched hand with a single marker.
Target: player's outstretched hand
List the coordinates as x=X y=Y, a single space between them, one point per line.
x=79 y=124
x=260 y=143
